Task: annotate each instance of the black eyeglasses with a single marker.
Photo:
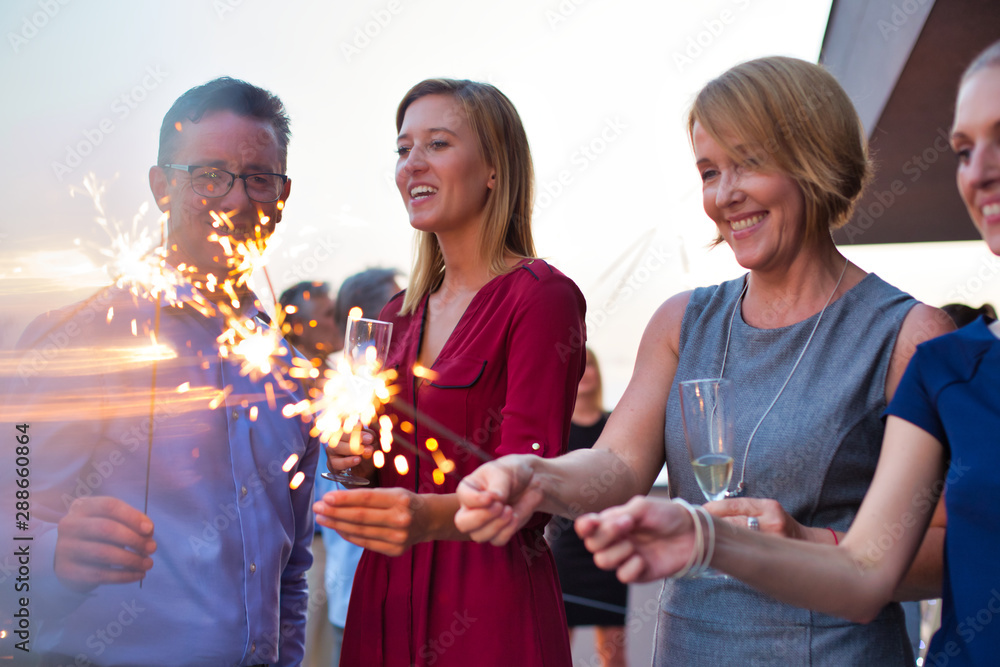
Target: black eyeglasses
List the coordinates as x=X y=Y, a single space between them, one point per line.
x=213 y=182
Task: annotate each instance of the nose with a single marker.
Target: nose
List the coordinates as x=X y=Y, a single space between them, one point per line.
x=728 y=191
x=414 y=161
x=236 y=203
x=983 y=168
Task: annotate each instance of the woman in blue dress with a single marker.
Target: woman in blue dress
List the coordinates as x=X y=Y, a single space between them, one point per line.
x=943 y=428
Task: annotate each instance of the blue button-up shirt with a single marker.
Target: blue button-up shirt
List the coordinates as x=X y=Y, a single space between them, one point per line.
x=227 y=586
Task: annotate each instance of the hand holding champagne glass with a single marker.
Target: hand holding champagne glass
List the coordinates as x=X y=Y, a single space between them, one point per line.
x=366 y=350
x=706 y=411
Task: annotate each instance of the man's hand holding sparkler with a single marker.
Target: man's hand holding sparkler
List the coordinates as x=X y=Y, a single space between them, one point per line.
x=103 y=540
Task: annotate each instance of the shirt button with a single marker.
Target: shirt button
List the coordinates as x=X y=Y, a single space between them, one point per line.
x=535 y=446
x=243 y=491
x=236 y=414
x=253 y=567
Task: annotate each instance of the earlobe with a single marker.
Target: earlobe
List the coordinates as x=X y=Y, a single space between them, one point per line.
x=493 y=180
x=158 y=186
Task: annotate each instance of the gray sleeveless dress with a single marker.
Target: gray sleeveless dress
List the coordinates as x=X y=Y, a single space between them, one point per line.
x=815 y=453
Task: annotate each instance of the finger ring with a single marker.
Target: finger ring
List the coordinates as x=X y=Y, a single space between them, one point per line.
x=753 y=523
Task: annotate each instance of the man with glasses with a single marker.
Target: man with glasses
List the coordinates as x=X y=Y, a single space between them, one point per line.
x=163 y=527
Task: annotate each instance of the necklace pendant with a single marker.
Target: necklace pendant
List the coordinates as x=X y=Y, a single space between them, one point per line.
x=738 y=493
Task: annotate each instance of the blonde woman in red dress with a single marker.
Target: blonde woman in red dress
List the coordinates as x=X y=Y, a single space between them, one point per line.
x=502 y=332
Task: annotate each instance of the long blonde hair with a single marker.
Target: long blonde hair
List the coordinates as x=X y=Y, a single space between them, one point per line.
x=801 y=120
x=504 y=146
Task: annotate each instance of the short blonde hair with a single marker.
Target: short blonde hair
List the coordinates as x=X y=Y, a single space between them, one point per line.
x=798 y=116
x=504 y=146
x=988 y=57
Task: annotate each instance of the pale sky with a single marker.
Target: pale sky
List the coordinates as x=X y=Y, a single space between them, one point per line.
x=602 y=88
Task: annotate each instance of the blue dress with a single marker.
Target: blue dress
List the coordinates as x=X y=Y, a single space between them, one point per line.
x=950 y=390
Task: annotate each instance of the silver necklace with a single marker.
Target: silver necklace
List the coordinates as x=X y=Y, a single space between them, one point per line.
x=741 y=486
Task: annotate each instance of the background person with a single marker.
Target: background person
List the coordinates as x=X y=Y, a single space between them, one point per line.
x=962 y=314
x=312 y=327
x=942 y=428
x=502 y=333
x=368 y=290
x=592 y=596
x=815 y=347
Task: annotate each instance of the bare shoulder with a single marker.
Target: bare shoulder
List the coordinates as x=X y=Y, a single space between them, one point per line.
x=921 y=324
x=665 y=325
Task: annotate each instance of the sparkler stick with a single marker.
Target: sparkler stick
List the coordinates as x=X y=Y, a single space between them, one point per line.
x=152 y=412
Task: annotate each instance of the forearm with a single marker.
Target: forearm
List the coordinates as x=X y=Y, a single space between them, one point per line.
x=802 y=573
x=583 y=481
x=923 y=580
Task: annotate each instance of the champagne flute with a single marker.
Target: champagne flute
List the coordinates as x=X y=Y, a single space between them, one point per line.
x=366 y=350
x=706 y=412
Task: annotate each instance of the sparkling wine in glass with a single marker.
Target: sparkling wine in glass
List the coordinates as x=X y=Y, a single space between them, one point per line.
x=366 y=350
x=706 y=412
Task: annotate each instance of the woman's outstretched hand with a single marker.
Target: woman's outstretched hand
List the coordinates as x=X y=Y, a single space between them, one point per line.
x=498 y=499
x=644 y=540
x=389 y=521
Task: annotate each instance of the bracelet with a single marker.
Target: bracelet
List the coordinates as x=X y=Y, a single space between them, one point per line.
x=699 y=543
x=836 y=542
x=708 y=551
x=701 y=555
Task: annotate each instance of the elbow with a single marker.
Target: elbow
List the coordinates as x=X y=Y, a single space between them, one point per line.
x=866 y=609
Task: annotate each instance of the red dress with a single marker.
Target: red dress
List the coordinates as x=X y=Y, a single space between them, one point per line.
x=506 y=382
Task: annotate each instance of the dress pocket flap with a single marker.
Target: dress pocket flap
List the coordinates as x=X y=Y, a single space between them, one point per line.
x=458 y=373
